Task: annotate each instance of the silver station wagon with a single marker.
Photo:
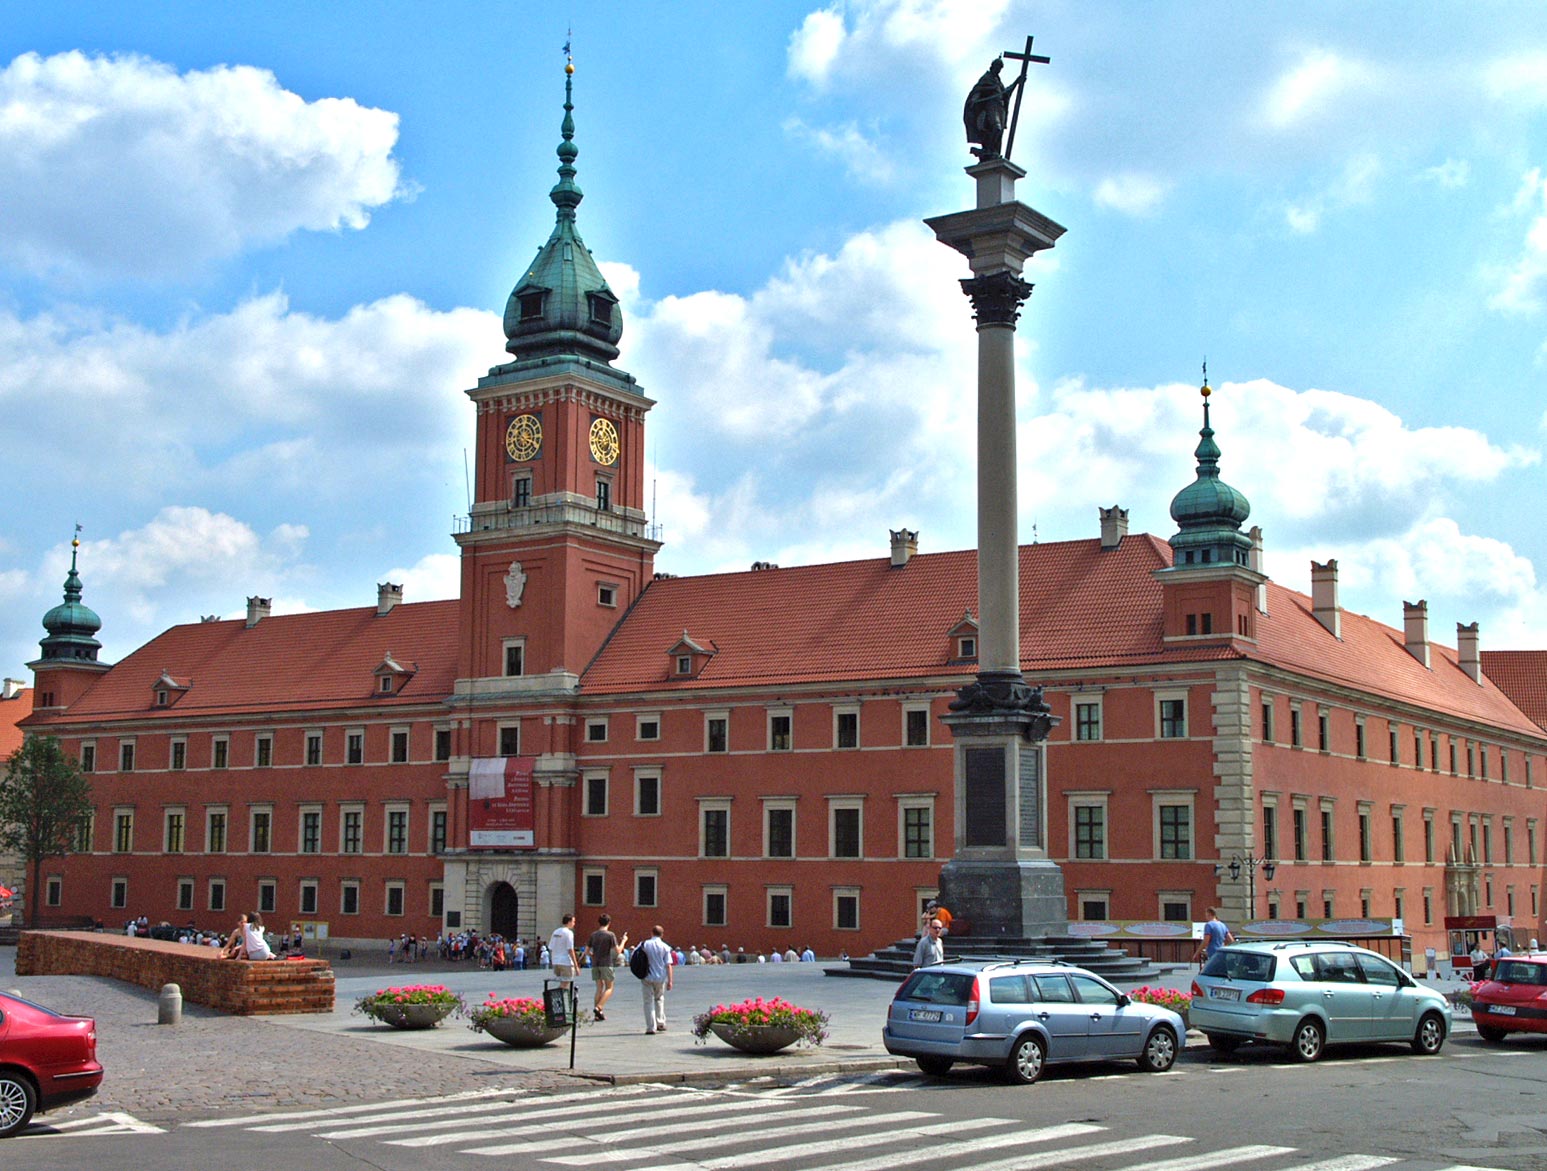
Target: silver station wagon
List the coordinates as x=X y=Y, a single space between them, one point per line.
x=1022 y=1015
x=1310 y=995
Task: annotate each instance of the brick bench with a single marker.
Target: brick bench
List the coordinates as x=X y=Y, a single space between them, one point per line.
x=241 y=987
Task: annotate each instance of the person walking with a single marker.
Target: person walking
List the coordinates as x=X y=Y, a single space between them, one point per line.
x=604 y=947
x=561 y=950
x=930 y=948
x=657 y=982
x=1215 y=936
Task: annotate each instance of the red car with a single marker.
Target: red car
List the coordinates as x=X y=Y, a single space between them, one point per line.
x=1514 y=1000
x=46 y=1060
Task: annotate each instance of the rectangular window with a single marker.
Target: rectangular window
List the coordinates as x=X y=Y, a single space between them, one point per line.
x=644 y=888
x=217 y=894
x=215 y=832
x=1093 y=906
x=1173 y=719
x=1299 y=833
x=88 y=758
x=607 y=595
x=596 y=795
x=219 y=752
x=1323 y=732
x=779 y=732
x=442 y=744
x=1087 y=721
x=510 y=740
x=437 y=900
x=185 y=894
x=437 y=831
x=123 y=833
x=314 y=748
x=1531 y=842
x=1327 y=844
x=647 y=728
x=349 y=898
x=263 y=751
x=515 y=657
x=266 y=896
x=846 y=835
x=715 y=832
x=262 y=824
x=399 y=746
x=1090 y=831
x=716 y=734
x=521 y=495
x=1398 y=845
x=647 y=795
x=1270 y=831
x=1359 y=744
x=593 y=888
x=1395 y=757
x=1175 y=831
x=845 y=729
x=354 y=753
x=846 y=910
x=311 y=831
x=85 y=833
x=1364 y=835
x=918 y=831
x=780 y=831
x=120 y=896
x=714 y=906
x=394 y=898
x=1294 y=726
x=1428 y=835
x=596 y=731
x=397 y=831
x=53 y=891
x=916 y=727
x=781 y=911
x=349 y=831
x=308 y=897
x=604 y=504
x=180 y=757
x=174 y=832
x=1267 y=721
x=126 y=757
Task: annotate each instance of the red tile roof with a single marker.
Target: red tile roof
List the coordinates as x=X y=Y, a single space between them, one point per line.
x=287 y=662
x=1521 y=675
x=13 y=710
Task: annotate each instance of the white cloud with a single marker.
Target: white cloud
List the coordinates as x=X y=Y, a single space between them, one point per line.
x=1354 y=186
x=434 y=576
x=861 y=157
x=1132 y=194
x=1519 y=79
x=120 y=166
x=815 y=45
x=1316 y=85
x=1451 y=174
x=1520 y=287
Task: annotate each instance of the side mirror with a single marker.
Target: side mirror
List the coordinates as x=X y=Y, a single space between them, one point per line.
x=1122 y=1000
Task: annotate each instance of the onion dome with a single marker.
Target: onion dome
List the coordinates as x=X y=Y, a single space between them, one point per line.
x=563 y=305
x=71 y=625
x=1209 y=512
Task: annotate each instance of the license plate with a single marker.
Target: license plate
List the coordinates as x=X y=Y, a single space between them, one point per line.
x=924 y=1014
x=1501 y=1009
x=1224 y=994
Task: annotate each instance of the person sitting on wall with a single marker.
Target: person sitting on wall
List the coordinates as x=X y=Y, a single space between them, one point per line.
x=247 y=942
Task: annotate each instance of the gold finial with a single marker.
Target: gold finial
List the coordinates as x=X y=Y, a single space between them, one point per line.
x=1204 y=389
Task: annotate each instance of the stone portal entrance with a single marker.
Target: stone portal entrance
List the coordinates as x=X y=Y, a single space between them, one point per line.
x=503 y=908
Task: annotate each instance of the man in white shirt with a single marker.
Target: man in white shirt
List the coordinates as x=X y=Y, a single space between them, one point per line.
x=657 y=982
x=561 y=950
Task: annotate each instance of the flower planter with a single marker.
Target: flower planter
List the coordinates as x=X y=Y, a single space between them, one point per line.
x=411 y=1016
x=521 y=1033
x=755 y=1038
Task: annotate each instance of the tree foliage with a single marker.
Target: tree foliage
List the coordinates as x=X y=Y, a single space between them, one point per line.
x=44 y=799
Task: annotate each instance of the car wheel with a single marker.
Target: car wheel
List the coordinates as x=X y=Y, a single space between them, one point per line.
x=1430 y=1036
x=1026 y=1060
x=935 y=1066
x=1308 y=1042
x=1223 y=1044
x=17 y=1101
x=1490 y=1034
x=1159 y=1051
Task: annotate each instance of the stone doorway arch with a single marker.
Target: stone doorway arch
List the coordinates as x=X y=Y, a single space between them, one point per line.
x=504 y=907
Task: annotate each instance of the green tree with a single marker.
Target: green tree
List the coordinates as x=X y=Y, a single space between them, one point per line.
x=44 y=799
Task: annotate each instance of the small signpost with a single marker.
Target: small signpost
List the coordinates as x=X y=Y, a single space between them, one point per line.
x=562 y=1011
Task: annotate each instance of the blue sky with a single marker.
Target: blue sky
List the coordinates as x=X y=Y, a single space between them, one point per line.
x=251 y=257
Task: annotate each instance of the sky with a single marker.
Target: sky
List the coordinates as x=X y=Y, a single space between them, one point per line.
x=252 y=256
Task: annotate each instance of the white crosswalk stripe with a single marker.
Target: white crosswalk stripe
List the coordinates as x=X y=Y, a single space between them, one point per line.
x=752 y=1126
x=114 y=1122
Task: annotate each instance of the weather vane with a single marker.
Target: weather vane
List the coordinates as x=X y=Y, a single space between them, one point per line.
x=987 y=112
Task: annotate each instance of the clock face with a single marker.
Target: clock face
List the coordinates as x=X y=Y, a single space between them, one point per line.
x=524 y=437
x=604 y=442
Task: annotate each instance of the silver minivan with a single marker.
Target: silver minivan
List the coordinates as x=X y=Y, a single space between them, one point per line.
x=1021 y=1015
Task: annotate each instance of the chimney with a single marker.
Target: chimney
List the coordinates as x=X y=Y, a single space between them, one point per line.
x=1324 y=597
x=388 y=594
x=1254 y=563
x=1415 y=629
x=12 y=688
x=1114 y=526
x=1468 y=654
x=257 y=610
x=905 y=543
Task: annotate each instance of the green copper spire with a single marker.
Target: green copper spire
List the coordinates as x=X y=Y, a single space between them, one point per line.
x=562 y=306
x=71 y=625
x=1209 y=512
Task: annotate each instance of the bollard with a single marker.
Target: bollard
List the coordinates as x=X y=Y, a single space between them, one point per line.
x=169 y=1005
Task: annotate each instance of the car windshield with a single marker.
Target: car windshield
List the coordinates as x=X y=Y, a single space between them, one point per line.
x=1240 y=965
x=937 y=987
x=1517 y=972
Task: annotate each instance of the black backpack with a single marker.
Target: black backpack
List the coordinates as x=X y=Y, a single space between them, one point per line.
x=639 y=962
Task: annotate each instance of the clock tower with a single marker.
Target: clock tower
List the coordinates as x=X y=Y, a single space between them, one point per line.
x=554 y=550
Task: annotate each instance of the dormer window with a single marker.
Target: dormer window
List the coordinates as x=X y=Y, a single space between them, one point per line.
x=607 y=595
x=684 y=664
x=964 y=637
x=386 y=684
x=688 y=658
x=967 y=647
x=392 y=676
x=532 y=304
x=166 y=691
x=601 y=308
x=163 y=697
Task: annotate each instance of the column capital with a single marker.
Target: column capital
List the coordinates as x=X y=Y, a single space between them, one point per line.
x=996 y=297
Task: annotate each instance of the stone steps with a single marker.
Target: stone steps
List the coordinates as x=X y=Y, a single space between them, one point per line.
x=1111 y=963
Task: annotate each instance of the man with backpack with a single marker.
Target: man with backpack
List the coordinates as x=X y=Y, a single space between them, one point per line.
x=656 y=980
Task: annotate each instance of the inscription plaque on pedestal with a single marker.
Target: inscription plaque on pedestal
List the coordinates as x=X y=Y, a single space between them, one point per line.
x=1031 y=796
x=984 y=797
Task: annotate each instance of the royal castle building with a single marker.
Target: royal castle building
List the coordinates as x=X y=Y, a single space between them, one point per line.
x=758 y=758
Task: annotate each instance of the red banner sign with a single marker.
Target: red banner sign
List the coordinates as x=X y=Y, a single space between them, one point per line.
x=500 y=812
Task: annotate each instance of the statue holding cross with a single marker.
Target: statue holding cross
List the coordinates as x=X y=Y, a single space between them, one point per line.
x=987 y=113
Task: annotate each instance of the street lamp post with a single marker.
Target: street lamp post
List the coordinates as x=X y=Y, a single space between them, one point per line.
x=1250 y=865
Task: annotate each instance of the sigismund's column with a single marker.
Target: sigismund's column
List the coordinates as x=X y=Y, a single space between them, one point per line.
x=1000 y=881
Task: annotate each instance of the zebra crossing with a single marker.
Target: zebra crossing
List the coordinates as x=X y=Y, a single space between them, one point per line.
x=807 y=1124
x=94 y=1125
